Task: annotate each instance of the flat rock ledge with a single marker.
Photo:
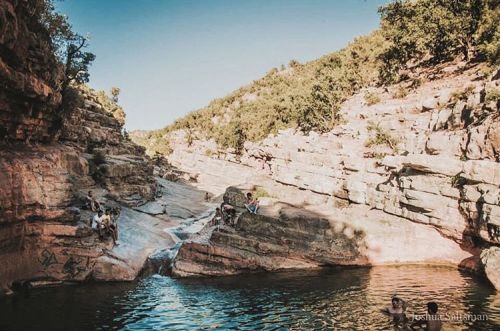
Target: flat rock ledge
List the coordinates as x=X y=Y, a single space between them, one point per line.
x=282 y=237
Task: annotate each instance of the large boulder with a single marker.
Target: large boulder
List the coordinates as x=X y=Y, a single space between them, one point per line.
x=490 y=259
x=235 y=197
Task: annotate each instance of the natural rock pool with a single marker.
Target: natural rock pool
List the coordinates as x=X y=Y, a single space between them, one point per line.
x=347 y=298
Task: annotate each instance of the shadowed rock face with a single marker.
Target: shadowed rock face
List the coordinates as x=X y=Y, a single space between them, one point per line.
x=29 y=75
x=293 y=239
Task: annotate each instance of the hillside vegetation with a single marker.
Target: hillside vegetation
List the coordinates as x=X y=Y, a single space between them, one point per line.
x=308 y=96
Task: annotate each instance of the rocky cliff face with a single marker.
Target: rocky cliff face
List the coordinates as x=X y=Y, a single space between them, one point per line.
x=44 y=176
x=418 y=173
x=29 y=76
x=44 y=224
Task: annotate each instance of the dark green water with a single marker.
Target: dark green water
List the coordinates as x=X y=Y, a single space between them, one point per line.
x=333 y=299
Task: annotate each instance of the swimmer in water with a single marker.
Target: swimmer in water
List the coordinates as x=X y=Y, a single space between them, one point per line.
x=432 y=320
x=397 y=311
x=397 y=307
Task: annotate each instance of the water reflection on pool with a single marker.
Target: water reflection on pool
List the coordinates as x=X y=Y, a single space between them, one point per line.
x=325 y=299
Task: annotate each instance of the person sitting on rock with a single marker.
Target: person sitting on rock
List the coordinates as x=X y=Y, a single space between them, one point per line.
x=92 y=203
x=109 y=227
x=252 y=204
x=97 y=222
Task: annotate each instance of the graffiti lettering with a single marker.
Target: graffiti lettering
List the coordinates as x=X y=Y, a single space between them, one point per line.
x=47 y=258
x=72 y=267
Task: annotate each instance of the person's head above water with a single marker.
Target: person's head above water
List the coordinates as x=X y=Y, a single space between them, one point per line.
x=395 y=301
x=90 y=193
x=432 y=307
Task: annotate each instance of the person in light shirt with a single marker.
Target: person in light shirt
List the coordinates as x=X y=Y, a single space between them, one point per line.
x=97 y=221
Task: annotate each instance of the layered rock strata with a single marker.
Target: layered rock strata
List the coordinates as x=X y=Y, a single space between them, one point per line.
x=48 y=163
x=428 y=161
x=29 y=75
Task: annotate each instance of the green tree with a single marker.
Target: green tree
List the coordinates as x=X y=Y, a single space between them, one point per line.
x=317 y=112
x=436 y=29
x=70 y=56
x=488 y=34
x=67 y=45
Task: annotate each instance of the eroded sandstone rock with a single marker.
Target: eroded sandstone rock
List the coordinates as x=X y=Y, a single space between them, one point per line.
x=491 y=261
x=442 y=183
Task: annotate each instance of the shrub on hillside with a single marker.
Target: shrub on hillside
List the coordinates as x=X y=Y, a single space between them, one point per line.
x=492 y=94
x=261 y=193
x=371 y=98
x=381 y=137
x=310 y=96
x=98 y=158
x=488 y=34
x=400 y=93
x=462 y=94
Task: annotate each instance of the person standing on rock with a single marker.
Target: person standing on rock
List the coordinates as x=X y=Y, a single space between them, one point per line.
x=115 y=215
x=252 y=204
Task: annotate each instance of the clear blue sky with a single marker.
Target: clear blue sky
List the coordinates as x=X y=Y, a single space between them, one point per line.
x=171 y=57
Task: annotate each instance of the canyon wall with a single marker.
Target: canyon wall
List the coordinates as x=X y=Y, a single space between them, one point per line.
x=418 y=173
x=49 y=161
x=29 y=76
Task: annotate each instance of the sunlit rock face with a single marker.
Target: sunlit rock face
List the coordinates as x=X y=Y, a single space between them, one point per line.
x=438 y=185
x=47 y=164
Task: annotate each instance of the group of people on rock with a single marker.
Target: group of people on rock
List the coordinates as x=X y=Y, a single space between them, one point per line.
x=105 y=220
x=226 y=214
x=431 y=321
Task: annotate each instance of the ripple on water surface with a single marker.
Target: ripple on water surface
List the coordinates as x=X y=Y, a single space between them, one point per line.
x=326 y=299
